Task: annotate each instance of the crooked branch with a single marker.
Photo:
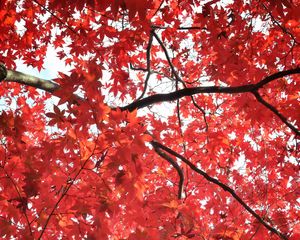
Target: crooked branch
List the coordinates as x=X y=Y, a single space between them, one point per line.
x=158 y=145
x=251 y=88
x=177 y=77
x=50 y=86
x=7 y=75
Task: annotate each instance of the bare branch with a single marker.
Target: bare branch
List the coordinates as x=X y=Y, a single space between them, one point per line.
x=164 y=97
x=3 y=72
x=220 y=184
x=214 y=89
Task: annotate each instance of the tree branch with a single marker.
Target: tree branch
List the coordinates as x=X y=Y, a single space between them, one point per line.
x=50 y=86
x=67 y=188
x=20 y=198
x=148 y=57
x=178 y=79
x=3 y=72
x=15 y=76
x=220 y=184
x=164 y=97
x=276 y=75
x=175 y=165
x=56 y=17
x=276 y=112
x=214 y=89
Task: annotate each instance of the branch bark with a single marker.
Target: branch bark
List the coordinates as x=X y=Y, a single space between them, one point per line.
x=18 y=77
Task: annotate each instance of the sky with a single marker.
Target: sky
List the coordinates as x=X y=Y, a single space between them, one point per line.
x=52 y=65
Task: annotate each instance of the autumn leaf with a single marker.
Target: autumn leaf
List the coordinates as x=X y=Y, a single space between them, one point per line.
x=86 y=149
x=173 y=204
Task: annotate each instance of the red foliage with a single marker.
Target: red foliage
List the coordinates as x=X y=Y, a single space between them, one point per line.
x=220 y=161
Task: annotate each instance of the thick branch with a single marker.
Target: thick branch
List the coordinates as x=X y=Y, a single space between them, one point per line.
x=220 y=184
x=164 y=97
x=15 y=76
x=50 y=86
x=214 y=89
x=277 y=75
x=29 y=80
x=3 y=72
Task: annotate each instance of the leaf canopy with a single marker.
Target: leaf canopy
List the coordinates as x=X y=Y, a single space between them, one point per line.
x=178 y=119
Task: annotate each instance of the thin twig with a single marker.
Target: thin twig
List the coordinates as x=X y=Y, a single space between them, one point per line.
x=177 y=77
x=148 y=58
x=69 y=185
x=56 y=17
x=174 y=72
x=20 y=198
x=275 y=21
x=161 y=3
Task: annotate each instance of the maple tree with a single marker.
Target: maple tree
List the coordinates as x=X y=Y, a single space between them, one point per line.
x=179 y=119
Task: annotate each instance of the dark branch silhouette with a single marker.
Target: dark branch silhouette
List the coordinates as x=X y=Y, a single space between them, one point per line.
x=148 y=57
x=164 y=97
x=50 y=86
x=220 y=184
x=277 y=113
x=175 y=165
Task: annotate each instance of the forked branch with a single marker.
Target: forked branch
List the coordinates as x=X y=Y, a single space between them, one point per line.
x=50 y=86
